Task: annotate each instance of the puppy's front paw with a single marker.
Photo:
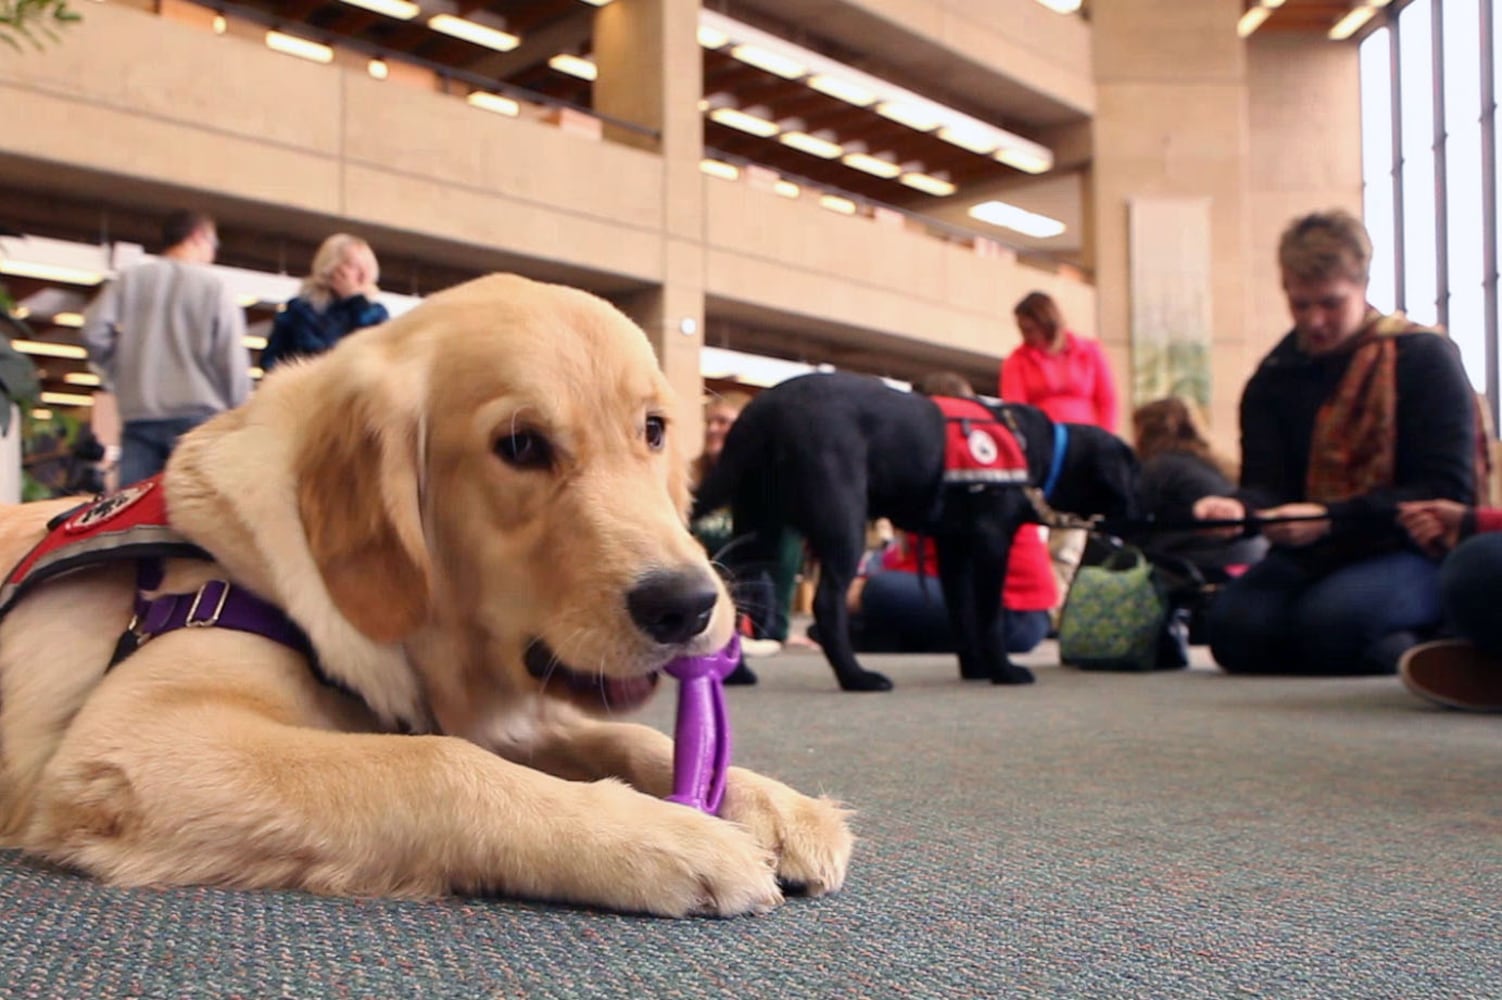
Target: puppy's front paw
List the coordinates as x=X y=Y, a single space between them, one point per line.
x=676 y=861
x=810 y=836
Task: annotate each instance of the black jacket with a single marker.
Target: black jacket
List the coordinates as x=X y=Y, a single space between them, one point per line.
x=1436 y=439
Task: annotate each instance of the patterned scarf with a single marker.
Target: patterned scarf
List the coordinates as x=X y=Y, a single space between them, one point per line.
x=1353 y=449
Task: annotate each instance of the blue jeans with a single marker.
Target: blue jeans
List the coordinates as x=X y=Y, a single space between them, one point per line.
x=900 y=615
x=1470 y=580
x=145 y=445
x=1278 y=618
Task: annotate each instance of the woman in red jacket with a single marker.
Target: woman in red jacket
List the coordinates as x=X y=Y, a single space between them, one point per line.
x=1061 y=373
x=1065 y=376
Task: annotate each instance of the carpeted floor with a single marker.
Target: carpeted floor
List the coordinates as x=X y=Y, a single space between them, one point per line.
x=1168 y=835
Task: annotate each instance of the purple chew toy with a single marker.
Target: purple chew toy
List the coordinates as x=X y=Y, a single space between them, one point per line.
x=701 y=733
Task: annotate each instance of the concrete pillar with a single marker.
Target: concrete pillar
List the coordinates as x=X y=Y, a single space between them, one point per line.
x=651 y=74
x=1171 y=119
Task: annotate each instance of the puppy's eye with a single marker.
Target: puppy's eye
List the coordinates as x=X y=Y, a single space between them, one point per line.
x=657 y=432
x=525 y=450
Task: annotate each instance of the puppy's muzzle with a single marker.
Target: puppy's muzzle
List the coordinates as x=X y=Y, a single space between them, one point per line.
x=672 y=607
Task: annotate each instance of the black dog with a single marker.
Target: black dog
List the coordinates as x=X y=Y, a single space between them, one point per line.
x=825 y=453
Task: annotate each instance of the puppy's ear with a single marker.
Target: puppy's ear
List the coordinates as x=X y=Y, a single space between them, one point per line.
x=357 y=492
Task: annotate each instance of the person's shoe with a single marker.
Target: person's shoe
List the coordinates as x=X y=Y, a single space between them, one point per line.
x=1455 y=674
x=760 y=647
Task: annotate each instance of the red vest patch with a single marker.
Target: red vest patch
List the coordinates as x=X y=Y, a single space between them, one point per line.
x=128 y=524
x=977 y=447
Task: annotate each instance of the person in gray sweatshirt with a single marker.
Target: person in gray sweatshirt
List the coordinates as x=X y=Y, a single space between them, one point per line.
x=168 y=340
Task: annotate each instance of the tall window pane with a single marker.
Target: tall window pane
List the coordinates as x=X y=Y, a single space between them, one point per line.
x=1416 y=74
x=1462 y=69
x=1377 y=167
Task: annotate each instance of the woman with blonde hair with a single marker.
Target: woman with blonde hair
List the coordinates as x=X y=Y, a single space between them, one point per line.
x=337 y=297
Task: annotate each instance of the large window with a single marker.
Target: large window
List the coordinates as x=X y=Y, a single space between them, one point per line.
x=1429 y=96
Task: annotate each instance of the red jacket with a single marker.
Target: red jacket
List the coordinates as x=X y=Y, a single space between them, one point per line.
x=1073 y=386
x=1030 y=582
x=1488 y=519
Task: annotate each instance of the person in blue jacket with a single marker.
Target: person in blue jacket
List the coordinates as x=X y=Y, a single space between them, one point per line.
x=337 y=298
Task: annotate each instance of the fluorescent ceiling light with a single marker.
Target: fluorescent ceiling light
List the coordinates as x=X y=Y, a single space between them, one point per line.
x=811 y=144
x=565 y=62
x=597 y=3
x=46 y=349
x=840 y=89
x=1251 y=20
x=928 y=184
x=720 y=169
x=1354 y=19
x=712 y=38
x=835 y=203
x=254 y=342
x=975 y=137
x=479 y=34
x=1025 y=159
x=302 y=48
x=399 y=9
x=787 y=189
x=773 y=62
x=82 y=378
x=220 y=27
x=494 y=102
x=738 y=119
x=66 y=399
x=378 y=69
x=871 y=164
x=41 y=413
x=73 y=319
x=921 y=117
x=20 y=312
x=1063 y=6
x=49 y=272
x=1000 y=213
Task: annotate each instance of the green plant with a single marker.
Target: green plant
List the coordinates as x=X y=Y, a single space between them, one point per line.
x=33 y=21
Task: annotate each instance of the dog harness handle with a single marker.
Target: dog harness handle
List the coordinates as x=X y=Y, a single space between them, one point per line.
x=701 y=731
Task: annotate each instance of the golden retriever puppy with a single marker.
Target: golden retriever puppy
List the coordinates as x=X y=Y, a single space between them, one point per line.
x=476 y=515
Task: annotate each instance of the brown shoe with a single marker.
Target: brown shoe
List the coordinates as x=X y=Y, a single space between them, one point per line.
x=1454 y=673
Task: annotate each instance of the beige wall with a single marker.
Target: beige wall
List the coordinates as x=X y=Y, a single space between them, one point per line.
x=1305 y=115
x=1172 y=120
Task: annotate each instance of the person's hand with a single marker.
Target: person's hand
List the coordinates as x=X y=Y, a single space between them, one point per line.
x=1296 y=533
x=352 y=277
x=1220 y=509
x=1434 y=525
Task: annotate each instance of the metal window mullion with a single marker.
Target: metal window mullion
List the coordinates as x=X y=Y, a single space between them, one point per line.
x=1441 y=180
x=1395 y=87
x=1489 y=209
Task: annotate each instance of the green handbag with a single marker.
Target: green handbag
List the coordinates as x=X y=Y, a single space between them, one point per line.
x=1119 y=615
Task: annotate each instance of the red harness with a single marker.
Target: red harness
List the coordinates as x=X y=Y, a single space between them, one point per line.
x=133 y=524
x=977 y=447
x=129 y=524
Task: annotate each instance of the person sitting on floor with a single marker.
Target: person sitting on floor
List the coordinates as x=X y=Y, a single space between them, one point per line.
x=896 y=606
x=1351 y=413
x=1179 y=466
x=1464 y=670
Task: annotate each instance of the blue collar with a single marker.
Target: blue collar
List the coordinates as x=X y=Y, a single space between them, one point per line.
x=1060 y=444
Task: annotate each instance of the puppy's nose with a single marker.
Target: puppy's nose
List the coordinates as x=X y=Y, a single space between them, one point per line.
x=672 y=607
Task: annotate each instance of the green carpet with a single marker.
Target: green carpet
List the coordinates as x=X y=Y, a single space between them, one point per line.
x=1169 y=835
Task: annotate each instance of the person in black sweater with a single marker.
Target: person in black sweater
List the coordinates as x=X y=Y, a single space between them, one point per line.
x=1178 y=468
x=1350 y=414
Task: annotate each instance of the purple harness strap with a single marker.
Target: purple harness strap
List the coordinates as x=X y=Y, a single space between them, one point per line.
x=216 y=604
